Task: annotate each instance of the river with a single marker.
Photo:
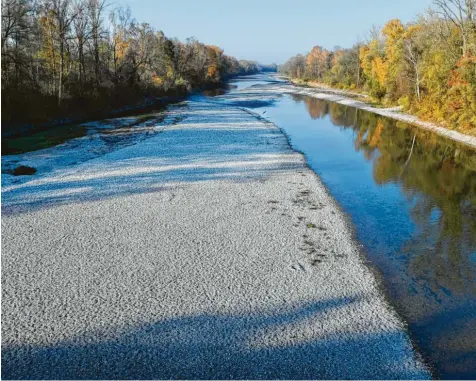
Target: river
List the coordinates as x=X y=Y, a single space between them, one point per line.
x=414 y=212
x=410 y=195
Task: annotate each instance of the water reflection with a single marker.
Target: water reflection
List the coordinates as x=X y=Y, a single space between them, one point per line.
x=430 y=272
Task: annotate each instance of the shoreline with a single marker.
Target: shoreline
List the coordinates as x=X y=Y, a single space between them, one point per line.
x=340 y=96
x=140 y=105
x=257 y=270
x=379 y=278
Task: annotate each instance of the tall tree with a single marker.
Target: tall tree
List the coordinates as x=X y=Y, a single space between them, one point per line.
x=95 y=11
x=462 y=13
x=60 y=15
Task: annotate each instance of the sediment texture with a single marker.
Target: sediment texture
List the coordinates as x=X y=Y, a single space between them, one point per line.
x=207 y=251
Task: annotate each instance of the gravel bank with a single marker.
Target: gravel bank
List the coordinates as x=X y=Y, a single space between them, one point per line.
x=341 y=97
x=207 y=251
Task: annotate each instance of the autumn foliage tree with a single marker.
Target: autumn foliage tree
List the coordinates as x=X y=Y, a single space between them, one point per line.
x=427 y=66
x=63 y=56
x=317 y=63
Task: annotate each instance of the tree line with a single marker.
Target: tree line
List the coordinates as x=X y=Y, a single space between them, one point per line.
x=427 y=66
x=61 y=57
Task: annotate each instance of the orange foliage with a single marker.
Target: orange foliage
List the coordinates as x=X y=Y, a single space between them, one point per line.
x=120 y=45
x=377 y=134
x=317 y=62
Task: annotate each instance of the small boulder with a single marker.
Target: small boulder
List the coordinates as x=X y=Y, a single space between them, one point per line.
x=23 y=170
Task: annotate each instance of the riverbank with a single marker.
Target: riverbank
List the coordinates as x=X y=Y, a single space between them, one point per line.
x=210 y=250
x=24 y=137
x=327 y=88
x=359 y=101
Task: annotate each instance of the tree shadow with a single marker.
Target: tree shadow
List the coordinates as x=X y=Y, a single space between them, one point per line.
x=455 y=340
x=280 y=344
x=200 y=150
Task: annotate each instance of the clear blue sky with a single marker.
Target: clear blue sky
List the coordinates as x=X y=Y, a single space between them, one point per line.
x=272 y=31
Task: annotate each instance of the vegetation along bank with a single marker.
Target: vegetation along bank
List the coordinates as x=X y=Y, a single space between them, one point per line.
x=428 y=66
x=61 y=58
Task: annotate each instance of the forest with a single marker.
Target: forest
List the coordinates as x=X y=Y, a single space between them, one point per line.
x=61 y=57
x=428 y=66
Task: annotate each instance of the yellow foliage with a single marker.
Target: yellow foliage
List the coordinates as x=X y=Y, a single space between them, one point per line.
x=121 y=46
x=428 y=68
x=170 y=71
x=157 y=80
x=216 y=49
x=412 y=30
x=379 y=70
x=393 y=30
x=211 y=71
x=363 y=52
x=375 y=139
x=48 y=52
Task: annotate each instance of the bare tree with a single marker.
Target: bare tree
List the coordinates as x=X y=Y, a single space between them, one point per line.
x=82 y=34
x=16 y=28
x=14 y=18
x=95 y=10
x=54 y=49
x=62 y=17
x=413 y=54
x=461 y=13
x=121 y=22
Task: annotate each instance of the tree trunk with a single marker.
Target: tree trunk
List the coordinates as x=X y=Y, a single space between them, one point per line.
x=465 y=43
x=358 y=74
x=417 y=85
x=96 y=60
x=82 y=70
x=60 y=81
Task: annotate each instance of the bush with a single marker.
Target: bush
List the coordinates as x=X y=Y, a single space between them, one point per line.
x=405 y=102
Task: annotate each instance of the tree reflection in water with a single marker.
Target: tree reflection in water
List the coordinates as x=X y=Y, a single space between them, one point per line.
x=438 y=262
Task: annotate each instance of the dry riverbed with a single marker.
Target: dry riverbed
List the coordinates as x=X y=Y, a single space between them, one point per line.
x=207 y=251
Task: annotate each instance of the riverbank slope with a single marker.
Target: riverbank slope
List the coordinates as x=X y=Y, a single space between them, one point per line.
x=207 y=251
x=359 y=101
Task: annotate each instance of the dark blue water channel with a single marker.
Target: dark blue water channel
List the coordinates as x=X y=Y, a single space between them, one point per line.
x=414 y=212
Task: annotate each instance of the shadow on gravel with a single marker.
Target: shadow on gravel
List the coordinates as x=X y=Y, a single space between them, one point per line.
x=254 y=346
x=194 y=152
